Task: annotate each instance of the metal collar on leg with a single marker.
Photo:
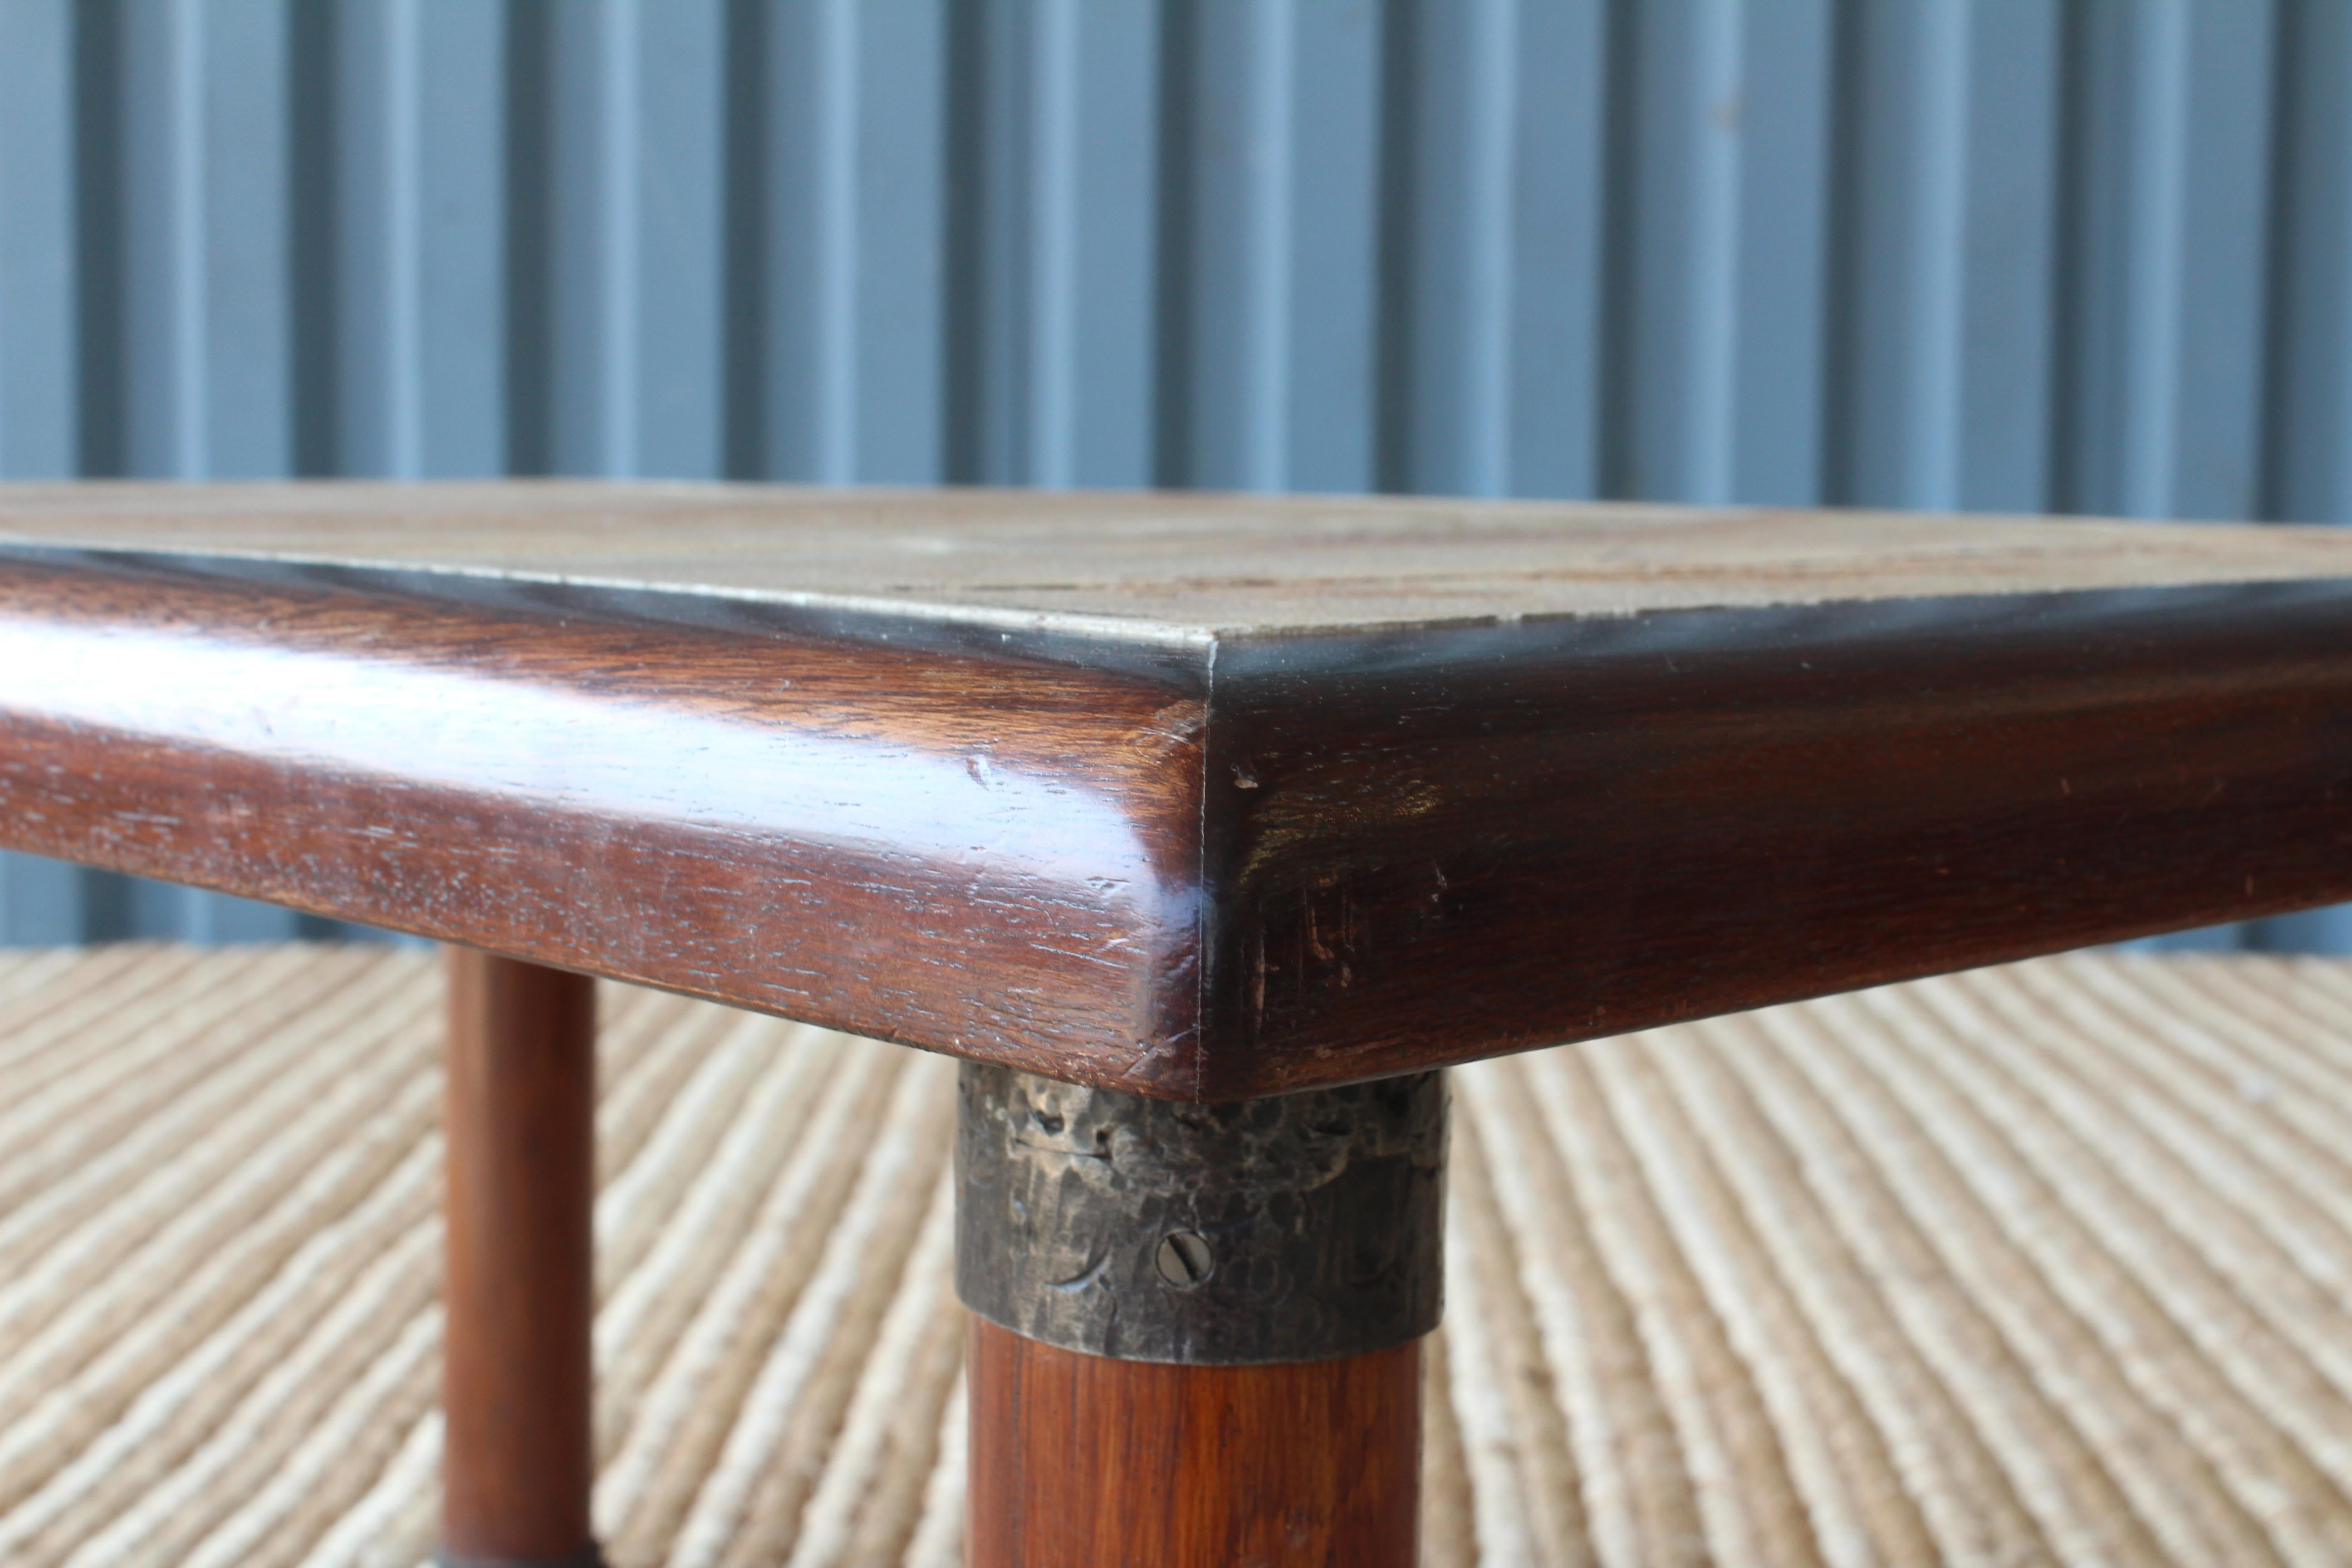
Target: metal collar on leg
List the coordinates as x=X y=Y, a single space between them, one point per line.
x=1298 y=1227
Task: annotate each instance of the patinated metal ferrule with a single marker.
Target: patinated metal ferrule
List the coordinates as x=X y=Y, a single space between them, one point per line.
x=1298 y=1227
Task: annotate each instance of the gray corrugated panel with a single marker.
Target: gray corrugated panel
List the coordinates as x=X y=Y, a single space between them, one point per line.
x=1063 y=297
x=1949 y=157
x=1773 y=406
x=1724 y=144
x=416 y=343
x=849 y=263
x=207 y=344
x=46 y=903
x=809 y=297
x=635 y=251
x=902 y=171
x=1332 y=413
x=1242 y=61
x=1273 y=369
x=2171 y=209
x=37 y=383
x=1560 y=200
x=1462 y=88
x=2311 y=439
x=679 y=166
x=2076 y=255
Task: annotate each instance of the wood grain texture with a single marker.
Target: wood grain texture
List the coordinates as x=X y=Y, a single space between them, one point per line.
x=1437 y=848
x=989 y=856
x=517 y=1449
x=1215 y=866
x=1079 y=1460
x=1179 y=567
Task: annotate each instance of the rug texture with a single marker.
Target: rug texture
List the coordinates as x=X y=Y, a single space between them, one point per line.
x=2044 y=1264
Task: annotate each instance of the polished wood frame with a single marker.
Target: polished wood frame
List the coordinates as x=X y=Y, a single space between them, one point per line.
x=1204 y=875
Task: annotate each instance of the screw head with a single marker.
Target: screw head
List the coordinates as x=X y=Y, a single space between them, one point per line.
x=1183 y=1259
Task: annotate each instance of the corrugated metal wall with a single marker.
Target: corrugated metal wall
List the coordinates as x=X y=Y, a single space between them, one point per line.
x=2065 y=255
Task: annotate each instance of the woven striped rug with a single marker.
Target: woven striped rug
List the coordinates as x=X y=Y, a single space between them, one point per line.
x=2046 y=1264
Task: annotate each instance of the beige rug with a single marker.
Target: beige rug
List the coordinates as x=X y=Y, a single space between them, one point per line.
x=2051 y=1264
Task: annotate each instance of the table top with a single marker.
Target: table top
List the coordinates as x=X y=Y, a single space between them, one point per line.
x=1165 y=568
x=1204 y=796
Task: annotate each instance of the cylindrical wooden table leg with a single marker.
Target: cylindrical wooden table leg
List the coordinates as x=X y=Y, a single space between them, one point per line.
x=1083 y=1459
x=520 y=1122
x=1196 y=1331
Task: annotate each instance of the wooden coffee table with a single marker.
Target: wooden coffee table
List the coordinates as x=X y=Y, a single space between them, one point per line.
x=1207 y=829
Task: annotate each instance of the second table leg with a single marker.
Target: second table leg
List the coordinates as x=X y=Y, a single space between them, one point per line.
x=519 y=1122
